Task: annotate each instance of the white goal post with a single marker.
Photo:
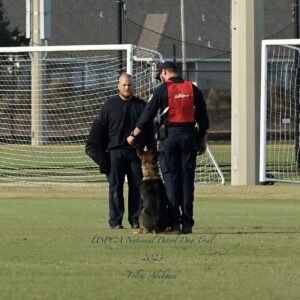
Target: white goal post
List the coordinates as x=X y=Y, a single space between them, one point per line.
x=280 y=109
x=49 y=97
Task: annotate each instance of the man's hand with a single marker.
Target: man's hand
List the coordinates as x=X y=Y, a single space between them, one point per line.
x=133 y=135
x=130 y=140
x=202 y=144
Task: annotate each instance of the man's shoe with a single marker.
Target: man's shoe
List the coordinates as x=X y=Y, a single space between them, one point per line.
x=186 y=230
x=117 y=227
x=135 y=226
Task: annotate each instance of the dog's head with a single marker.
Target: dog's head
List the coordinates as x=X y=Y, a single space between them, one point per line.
x=147 y=156
x=149 y=162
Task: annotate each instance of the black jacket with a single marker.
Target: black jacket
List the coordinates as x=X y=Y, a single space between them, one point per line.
x=113 y=125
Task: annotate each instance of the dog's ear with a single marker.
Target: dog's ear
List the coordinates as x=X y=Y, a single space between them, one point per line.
x=139 y=152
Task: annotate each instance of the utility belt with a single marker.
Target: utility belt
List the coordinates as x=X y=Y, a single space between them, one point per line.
x=163 y=130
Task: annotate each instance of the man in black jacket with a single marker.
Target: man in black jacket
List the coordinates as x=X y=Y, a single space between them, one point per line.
x=108 y=147
x=182 y=133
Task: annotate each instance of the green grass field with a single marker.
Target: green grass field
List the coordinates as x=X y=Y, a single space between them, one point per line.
x=68 y=163
x=55 y=244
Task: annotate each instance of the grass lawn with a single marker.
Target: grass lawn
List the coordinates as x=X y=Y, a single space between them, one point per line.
x=55 y=244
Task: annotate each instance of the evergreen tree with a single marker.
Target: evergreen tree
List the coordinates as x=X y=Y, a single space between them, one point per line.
x=9 y=37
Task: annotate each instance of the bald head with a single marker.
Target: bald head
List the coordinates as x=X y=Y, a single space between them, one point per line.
x=125 y=86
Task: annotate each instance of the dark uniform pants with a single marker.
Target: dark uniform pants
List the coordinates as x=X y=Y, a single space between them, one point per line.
x=177 y=158
x=124 y=162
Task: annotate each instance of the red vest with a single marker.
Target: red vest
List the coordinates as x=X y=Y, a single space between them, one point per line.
x=180 y=102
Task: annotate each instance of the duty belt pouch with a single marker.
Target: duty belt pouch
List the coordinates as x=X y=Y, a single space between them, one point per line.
x=162 y=132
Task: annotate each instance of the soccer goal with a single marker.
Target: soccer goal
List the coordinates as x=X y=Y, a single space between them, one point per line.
x=280 y=109
x=49 y=97
x=208 y=170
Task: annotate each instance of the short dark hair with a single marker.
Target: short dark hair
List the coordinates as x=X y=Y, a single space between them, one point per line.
x=165 y=65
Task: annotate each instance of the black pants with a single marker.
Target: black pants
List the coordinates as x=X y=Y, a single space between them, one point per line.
x=124 y=162
x=177 y=160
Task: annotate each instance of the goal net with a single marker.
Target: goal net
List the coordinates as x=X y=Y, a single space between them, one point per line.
x=280 y=109
x=49 y=97
x=208 y=170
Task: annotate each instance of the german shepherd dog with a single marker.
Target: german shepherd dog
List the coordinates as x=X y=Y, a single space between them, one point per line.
x=153 y=217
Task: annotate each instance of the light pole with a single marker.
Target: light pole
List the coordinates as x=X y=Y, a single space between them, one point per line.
x=36 y=79
x=120 y=6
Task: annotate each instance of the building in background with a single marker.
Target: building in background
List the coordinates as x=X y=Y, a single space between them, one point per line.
x=156 y=24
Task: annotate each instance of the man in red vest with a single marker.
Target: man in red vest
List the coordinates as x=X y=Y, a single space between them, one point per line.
x=183 y=125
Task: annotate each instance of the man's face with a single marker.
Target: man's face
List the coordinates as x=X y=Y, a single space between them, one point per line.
x=125 y=87
x=162 y=75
